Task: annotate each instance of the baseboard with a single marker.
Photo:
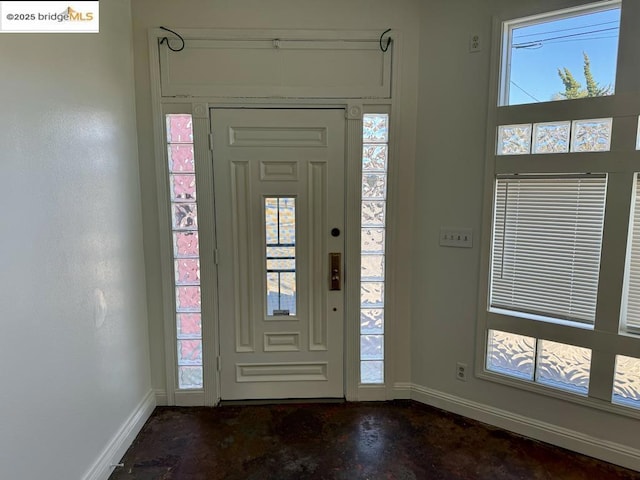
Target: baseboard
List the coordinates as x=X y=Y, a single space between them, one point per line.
x=122 y=440
x=562 y=437
x=161 y=397
x=402 y=390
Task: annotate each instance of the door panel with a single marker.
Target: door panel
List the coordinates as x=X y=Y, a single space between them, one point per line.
x=279 y=191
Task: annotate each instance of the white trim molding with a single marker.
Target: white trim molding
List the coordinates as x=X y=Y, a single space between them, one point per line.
x=122 y=440
x=562 y=437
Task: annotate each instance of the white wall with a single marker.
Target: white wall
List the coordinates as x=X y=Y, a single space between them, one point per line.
x=74 y=343
x=449 y=177
x=281 y=14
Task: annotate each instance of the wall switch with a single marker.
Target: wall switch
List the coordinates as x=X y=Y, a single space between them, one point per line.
x=456 y=237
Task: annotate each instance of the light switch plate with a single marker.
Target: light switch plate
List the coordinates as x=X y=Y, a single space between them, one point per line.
x=456 y=237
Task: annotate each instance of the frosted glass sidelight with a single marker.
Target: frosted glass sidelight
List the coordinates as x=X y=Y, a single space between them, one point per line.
x=372 y=267
x=372 y=294
x=552 y=137
x=374 y=186
x=563 y=366
x=375 y=152
x=189 y=325
x=183 y=188
x=373 y=214
x=371 y=347
x=626 y=382
x=189 y=352
x=374 y=157
x=189 y=377
x=184 y=223
x=375 y=128
x=371 y=321
x=185 y=216
x=511 y=354
x=187 y=271
x=281 y=264
x=591 y=135
x=181 y=159
x=188 y=299
x=185 y=244
x=179 y=128
x=372 y=371
x=372 y=240
x=514 y=139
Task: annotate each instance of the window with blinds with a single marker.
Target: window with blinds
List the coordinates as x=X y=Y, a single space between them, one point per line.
x=631 y=297
x=546 y=245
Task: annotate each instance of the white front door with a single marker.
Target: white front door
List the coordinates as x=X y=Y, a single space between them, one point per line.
x=279 y=202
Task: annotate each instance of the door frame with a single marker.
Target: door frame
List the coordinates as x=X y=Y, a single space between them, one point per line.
x=199 y=108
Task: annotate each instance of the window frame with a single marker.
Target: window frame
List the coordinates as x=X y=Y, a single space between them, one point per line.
x=606 y=338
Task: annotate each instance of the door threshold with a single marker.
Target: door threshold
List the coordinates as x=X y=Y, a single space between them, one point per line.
x=278 y=401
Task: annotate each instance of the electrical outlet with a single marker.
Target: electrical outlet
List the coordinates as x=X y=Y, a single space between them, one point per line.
x=456 y=237
x=461 y=371
x=474 y=43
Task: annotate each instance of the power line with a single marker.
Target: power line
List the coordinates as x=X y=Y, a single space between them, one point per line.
x=565 y=29
x=523 y=90
x=583 y=39
x=533 y=43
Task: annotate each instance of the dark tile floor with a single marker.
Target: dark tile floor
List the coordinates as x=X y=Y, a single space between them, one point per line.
x=400 y=440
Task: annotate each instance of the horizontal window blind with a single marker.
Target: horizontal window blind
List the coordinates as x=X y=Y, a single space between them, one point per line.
x=631 y=299
x=546 y=245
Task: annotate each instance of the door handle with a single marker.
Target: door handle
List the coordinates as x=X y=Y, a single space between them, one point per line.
x=336 y=271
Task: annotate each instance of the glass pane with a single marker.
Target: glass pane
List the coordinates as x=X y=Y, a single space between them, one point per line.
x=374 y=186
x=189 y=325
x=511 y=354
x=374 y=157
x=563 y=366
x=372 y=372
x=281 y=252
x=185 y=244
x=183 y=188
x=189 y=352
x=514 y=139
x=373 y=214
x=372 y=294
x=281 y=293
x=371 y=321
x=626 y=381
x=371 y=347
x=271 y=220
x=591 y=135
x=188 y=299
x=179 y=128
x=185 y=216
x=287 y=220
x=551 y=137
x=375 y=128
x=190 y=377
x=372 y=267
x=372 y=240
x=562 y=57
x=281 y=265
x=181 y=158
x=187 y=271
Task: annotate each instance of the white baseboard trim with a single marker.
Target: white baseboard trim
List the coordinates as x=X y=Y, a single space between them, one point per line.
x=161 y=397
x=401 y=390
x=570 y=439
x=122 y=440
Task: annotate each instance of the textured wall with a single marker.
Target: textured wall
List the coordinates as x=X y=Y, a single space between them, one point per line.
x=74 y=344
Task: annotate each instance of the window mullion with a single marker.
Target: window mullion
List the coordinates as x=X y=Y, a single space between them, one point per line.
x=614 y=247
